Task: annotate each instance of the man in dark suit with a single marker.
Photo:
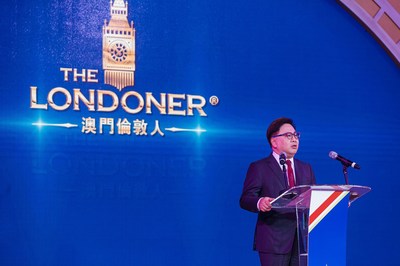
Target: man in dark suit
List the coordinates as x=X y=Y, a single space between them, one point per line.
x=275 y=237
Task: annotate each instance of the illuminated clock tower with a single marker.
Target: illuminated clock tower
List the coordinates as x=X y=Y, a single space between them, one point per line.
x=119 y=47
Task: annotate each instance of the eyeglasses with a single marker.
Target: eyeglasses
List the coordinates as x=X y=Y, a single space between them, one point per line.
x=289 y=135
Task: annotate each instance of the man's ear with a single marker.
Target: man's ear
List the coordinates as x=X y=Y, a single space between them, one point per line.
x=273 y=142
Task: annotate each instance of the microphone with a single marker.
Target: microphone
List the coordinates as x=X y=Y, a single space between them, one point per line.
x=344 y=161
x=282 y=158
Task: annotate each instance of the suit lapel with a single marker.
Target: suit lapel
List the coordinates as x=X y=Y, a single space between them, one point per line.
x=276 y=169
x=298 y=172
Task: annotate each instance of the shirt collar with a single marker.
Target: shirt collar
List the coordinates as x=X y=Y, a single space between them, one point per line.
x=276 y=156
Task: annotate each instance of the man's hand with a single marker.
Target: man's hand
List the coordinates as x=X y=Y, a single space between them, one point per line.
x=265 y=204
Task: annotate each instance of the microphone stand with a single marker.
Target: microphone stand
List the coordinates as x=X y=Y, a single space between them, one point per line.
x=282 y=161
x=345 y=173
x=284 y=173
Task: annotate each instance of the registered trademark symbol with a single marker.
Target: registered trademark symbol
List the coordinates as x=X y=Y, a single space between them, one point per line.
x=214 y=100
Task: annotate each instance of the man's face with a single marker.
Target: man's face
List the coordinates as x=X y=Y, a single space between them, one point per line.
x=283 y=144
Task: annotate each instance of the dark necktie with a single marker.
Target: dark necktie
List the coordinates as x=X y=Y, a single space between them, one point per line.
x=290 y=173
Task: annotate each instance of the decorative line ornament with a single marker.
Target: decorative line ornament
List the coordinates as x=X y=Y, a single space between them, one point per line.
x=119 y=47
x=66 y=125
x=177 y=129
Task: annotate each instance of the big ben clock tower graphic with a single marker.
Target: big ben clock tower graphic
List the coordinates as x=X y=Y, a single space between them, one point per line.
x=119 y=47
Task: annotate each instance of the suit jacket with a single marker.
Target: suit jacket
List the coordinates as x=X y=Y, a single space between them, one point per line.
x=276 y=229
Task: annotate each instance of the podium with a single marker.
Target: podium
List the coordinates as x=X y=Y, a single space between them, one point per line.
x=321 y=213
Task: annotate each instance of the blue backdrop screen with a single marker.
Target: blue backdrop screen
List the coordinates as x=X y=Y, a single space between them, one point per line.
x=151 y=173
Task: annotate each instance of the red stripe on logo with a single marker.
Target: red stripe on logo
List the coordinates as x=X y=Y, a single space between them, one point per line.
x=324 y=205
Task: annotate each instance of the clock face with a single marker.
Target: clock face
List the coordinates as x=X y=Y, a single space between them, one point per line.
x=119 y=52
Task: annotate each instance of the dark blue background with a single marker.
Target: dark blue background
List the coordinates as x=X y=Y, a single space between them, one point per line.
x=67 y=198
